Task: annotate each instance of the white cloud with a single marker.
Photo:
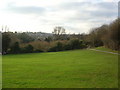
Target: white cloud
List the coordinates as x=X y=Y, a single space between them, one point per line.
x=111 y=0
x=43 y=15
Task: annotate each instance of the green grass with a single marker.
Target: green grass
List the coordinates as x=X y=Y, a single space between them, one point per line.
x=69 y=69
x=106 y=49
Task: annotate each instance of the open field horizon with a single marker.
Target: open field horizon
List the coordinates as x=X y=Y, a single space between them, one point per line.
x=59 y=44
x=66 y=69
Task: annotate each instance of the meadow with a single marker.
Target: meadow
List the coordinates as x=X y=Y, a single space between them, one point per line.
x=66 y=69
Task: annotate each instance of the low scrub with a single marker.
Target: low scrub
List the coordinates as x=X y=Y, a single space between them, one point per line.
x=70 y=45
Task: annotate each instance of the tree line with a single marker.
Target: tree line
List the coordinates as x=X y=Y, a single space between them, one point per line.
x=105 y=35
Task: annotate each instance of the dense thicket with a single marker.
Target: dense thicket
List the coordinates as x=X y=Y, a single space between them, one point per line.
x=107 y=35
x=69 y=45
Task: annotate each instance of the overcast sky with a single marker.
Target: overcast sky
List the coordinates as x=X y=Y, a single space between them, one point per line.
x=76 y=16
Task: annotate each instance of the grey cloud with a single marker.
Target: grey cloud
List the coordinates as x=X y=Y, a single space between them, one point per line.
x=74 y=5
x=100 y=5
x=107 y=5
x=84 y=14
x=26 y=9
x=106 y=9
x=107 y=14
x=103 y=9
x=119 y=9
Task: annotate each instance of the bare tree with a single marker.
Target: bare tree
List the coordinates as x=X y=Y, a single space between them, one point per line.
x=59 y=32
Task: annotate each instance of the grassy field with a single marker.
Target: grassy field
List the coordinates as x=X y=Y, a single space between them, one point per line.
x=106 y=49
x=69 y=69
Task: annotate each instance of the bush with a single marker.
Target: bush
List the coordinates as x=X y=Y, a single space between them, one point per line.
x=83 y=44
x=58 y=47
x=28 y=49
x=75 y=44
x=5 y=42
x=15 y=48
x=38 y=50
x=67 y=47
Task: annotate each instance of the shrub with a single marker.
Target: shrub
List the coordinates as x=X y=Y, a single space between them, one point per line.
x=75 y=44
x=83 y=44
x=5 y=42
x=38 y=50
x=58 y=47
x=67 y=46
x=15 y=48
x=28 y=49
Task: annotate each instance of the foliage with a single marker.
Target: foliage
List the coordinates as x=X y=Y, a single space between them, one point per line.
x=25 y=38
x=107 y=35
x=59 y=33
x=15 y=48
x=27 y=49
x=75 y=44
x=38 y=51
x=5 y=42
x=57 y=47
x=48 y=39
x=71 y=45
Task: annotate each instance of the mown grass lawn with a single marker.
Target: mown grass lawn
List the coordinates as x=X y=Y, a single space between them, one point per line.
x=106 y=49
x=69 y=69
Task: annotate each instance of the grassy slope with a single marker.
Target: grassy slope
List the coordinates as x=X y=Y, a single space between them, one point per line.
x=106 y=49
x=70 y=69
